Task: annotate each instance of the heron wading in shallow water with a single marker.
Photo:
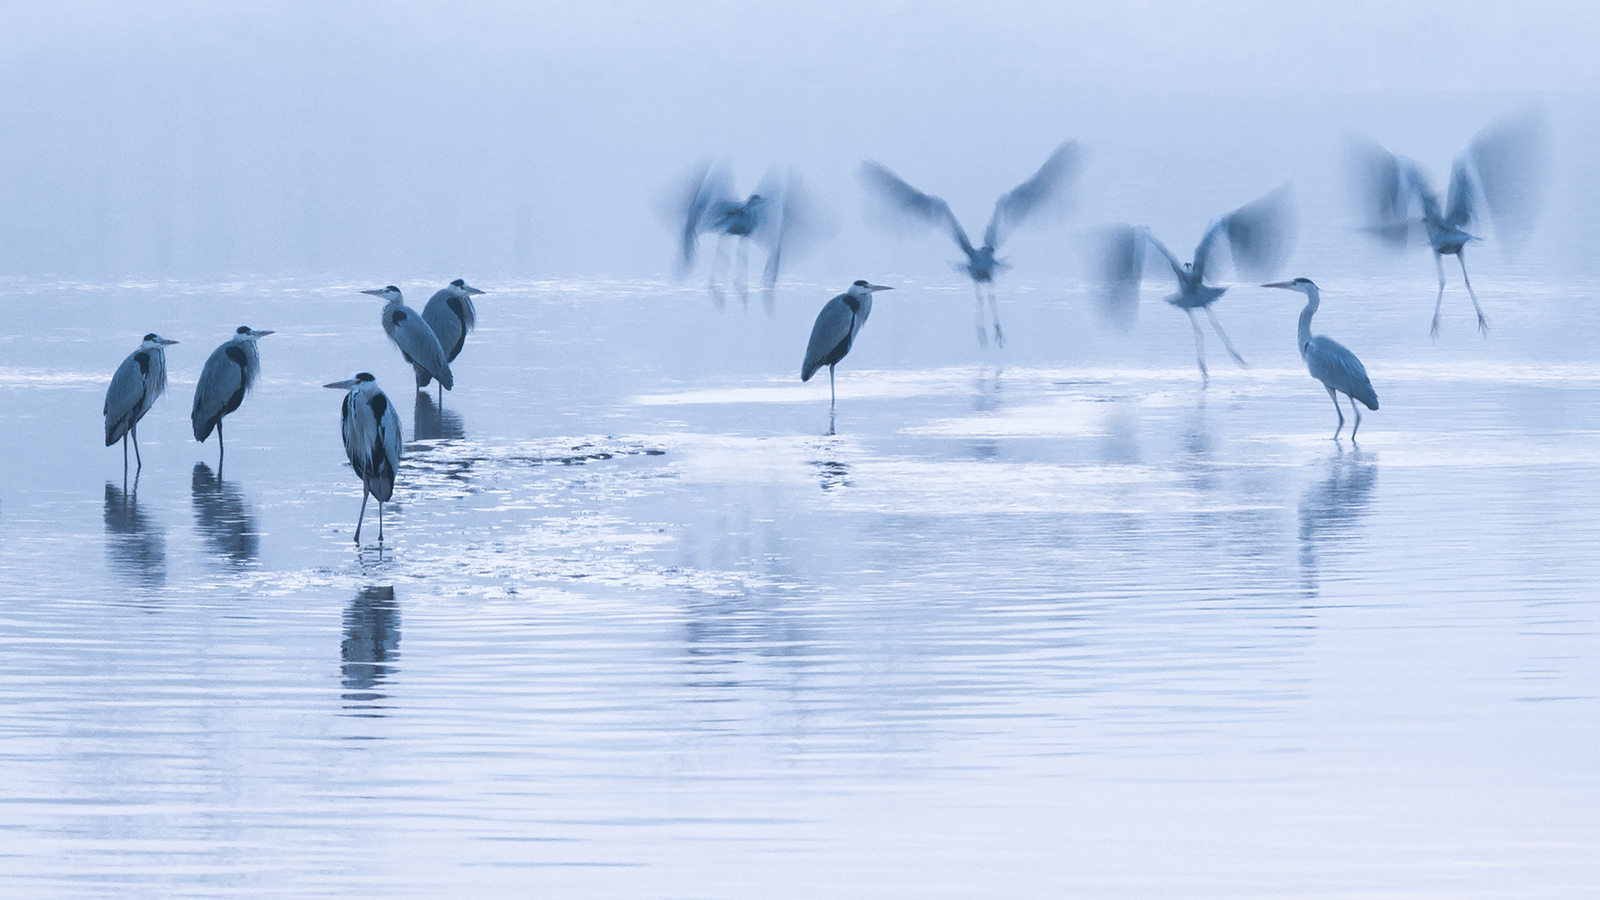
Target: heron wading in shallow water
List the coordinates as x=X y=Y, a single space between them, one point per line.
x=416 y=340
x=1503 y=167
x=1329 y=361
x=230 y=372
x=834 y=333
x=1259 y=236
x=140 y=379
x=451 y=315
x=1038 y=194
x=371 y=430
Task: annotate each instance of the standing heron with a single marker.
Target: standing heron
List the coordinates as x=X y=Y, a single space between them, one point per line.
x=1329 y=361
x=140 y=379
x=417 y=342
x=835 y=332
x=1503 y=166
x=451 y=315
x=371 y=439
x=1040 y=192
x=774 y=216
x=1259 y=236
x=230 y=372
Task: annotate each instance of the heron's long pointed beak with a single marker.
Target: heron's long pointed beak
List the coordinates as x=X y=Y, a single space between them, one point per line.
x=879 y=287
x=376 y=292
x=1286 y=285
x=471 y=291
x=254 y=333
x=344 y=385
x=164 y=342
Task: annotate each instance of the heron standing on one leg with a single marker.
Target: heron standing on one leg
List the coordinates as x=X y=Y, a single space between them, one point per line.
x=371 y=431
x=1039 y=192
x=1329 y=361
x=134 y=388
x=1259 y=235
x=451 y=315
x=417 y=342
x=835 y=332
x=230 y=372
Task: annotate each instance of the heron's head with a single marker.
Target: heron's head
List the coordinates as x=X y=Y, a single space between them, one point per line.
x=153 y=341
x=389 y=293
x=1302 y=285
x=462 y=286
x=862 y=289
x=353 y=382
x=245 y=332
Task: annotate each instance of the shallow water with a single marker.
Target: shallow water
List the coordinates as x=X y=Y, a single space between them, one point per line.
x=1042 y=621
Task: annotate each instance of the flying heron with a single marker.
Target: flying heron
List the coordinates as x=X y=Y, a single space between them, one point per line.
x=1041 y=192
x=1258 y=234
x=835 y=333
x=417 y=342
x=230 y=372
x=1329 y=361
x=371 y=431
x=134 y=388
x=777 y=216
x=451 y=315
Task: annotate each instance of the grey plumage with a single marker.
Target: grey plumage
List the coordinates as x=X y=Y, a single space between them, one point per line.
x=140 y=379
x=834 y=333
x=1329 y=361
x=371 y=431
x=416 y=340
x=230 y=372
x=450 y=314
x=779 y=216
x=1043 y=191
x=1258 y=236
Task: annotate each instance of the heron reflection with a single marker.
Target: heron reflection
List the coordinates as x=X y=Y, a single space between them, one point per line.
x=371 y=646
x=135 y=544
x=435 y=423
x=1331 y=507
x=223 y=517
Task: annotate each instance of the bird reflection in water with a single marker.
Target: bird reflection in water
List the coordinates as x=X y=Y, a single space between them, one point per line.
x=832 y=472
x=135 y=544
x=370 y=648
x=223 y=517
x=435 y=423
x=986 y=390
x=1330 y=508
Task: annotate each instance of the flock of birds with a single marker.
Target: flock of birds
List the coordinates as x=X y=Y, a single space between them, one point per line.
x=1501 y=170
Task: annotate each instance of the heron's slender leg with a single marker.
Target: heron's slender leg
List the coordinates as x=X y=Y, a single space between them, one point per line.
x=1335 y=398
x=380 y=515
x=1483 y=324
x=1199 y=348
x=994 y=312
x=136 y=457
x=983 y=335
x=741 y=283
x=1438 y=263
x=832 y=401
x=717 y=260
x=1225 y=342
x=360 y=518
x=124 y=457
x=1357 y=410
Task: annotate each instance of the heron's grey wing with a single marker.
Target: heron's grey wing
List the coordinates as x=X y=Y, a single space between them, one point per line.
x=1459 y=212
x=1177 y=266
x=123 y=397
x=449 y=326
x=1121 y=267
x=708 y=184
x=389 y=435
x=1044 y=190
x=1332 y=363
x=801 y=222
x=419 y=342
x=912 y=203
x=1511 y=155
x=1384 y=189
x=220 y=379
x=1261 y=234
x=830 y=330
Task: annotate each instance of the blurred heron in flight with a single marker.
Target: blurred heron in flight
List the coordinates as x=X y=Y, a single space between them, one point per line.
x=1259 y=236
x=1329 y=361
x=230 y=372
x=1503 y=167
x=779 y=216
x=417 y=342
x=1039 y=194
x=134 y=388
x=371 y=431
x=835 y=333
x=451 y=315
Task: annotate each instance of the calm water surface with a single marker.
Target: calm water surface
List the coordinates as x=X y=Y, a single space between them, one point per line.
x=1052 y=621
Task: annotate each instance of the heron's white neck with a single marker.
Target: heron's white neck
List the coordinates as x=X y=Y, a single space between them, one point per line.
x=1313 y=300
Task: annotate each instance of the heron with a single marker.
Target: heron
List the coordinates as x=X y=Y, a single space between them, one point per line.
x=451 y=315
x=778 y=216
x=1503 y=166
x=1258 y=234
x=835 y=333
x=140 y=379
x=371 y=431
x=230 y=372
x=1042 y=191
x=1329 y=361
x=417 y=342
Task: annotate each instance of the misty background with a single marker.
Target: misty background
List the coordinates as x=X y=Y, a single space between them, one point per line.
x=383 y=142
